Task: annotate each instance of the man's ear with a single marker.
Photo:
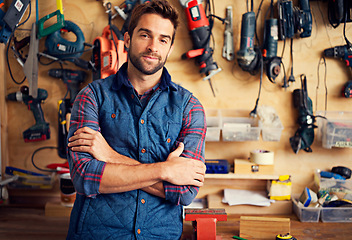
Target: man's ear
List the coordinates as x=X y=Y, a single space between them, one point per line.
x=127 y=40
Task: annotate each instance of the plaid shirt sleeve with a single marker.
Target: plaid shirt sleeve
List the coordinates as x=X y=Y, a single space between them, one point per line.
x=193 y=136
x=86 y=172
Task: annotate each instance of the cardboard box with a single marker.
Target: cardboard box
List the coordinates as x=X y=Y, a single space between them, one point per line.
x=243 y=166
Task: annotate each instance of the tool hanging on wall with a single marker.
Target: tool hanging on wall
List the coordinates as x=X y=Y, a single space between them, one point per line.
x=9 y=20
x=228 y=48
x=304 y=136
x=40 y=131
x=73 y=79
x=345 y=53
x=109 y=51
x=60 y=21
x=339 y=11
x=200 y=28
x=249 y=56
x=271 y=61
x=292 y=21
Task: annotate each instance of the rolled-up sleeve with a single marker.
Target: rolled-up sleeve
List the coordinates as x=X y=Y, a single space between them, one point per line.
x=86 y=172
x=193 y=136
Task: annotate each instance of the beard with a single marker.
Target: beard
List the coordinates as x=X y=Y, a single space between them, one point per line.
x=144 y=67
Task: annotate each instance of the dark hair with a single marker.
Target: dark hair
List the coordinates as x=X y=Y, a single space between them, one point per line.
x=160 y=7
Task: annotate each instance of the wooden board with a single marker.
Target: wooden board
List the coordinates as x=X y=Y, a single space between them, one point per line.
x=265 y=228
x=243 y=166
x=278 y=207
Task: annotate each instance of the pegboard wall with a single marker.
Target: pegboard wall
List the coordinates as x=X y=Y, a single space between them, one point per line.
x=234 y=88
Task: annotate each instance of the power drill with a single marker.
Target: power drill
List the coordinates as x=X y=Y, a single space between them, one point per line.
x=345 y=53
x=72 y=79
x=40 y=131
x=200 y=31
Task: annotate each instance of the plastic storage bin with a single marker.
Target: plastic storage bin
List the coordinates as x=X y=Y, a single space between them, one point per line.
x=305 y=214
x=238 y=126
x=213 y=119
x=336 y=129
x=270 y=123
x=334 y=214
x=272 y=133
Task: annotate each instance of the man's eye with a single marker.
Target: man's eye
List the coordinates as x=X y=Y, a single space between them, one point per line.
x=164 y=41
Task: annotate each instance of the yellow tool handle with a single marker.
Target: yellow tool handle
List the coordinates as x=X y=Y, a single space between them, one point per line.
x=59 y=6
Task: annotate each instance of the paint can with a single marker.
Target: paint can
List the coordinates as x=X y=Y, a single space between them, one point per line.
x=67 y=190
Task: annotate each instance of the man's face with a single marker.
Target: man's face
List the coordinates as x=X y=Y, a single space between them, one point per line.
x=150 y=44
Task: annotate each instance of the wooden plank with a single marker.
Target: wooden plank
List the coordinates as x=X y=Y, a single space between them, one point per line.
x=3 y=113
x=265 y=228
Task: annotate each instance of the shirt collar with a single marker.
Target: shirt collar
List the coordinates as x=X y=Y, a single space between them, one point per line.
x=121 y=79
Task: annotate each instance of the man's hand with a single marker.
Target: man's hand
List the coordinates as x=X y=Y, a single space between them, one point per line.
x=90 y=141
x=183 y=171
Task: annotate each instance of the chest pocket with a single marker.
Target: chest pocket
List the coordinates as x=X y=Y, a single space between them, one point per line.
x=118 y=128
x=163 y=130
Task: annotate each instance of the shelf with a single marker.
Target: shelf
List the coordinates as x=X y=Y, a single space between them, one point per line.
x=242 y=176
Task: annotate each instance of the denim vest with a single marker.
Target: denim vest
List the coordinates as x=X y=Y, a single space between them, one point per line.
x=147 y=135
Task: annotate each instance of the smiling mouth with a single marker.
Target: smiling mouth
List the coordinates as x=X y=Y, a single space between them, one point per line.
x=151 y=57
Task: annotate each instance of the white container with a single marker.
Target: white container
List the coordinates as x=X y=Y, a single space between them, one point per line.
x=213 y=119
x=237 y=125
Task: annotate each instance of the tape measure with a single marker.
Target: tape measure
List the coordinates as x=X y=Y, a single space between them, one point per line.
x=285 y=237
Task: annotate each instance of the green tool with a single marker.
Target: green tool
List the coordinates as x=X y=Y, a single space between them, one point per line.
x=42 y=32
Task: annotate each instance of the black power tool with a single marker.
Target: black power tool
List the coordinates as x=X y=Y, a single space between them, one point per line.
x=304 y=136
x=40 y=131
x=294 y=20
x=345 y=53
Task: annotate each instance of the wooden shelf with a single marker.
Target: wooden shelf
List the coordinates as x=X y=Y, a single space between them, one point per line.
x=242 y=176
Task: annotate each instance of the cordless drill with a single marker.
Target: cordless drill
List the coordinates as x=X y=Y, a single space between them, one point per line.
x=40 y=131
x=345 y=53
x=72 y=79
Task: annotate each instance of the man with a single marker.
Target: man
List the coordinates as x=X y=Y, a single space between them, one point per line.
x=136 y=141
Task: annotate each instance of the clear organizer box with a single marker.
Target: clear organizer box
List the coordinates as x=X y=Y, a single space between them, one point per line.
x=334 y=214
x=336 y=129
x=213 y=119
x=238 y=126
x=305 y=214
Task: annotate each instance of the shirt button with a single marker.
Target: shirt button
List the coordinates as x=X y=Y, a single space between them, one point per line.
x=113 y=115
x=142 y=121
x=168 y=140
x=139 y=231
x=143 y=150
x=132 y=96
x=142 y=201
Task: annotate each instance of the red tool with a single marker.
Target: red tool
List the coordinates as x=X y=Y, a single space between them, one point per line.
x=204 y=222
x=108 y=53
x=59 y=167
x=200 y=31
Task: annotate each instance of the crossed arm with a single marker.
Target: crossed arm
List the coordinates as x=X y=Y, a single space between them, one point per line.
x=148 y=177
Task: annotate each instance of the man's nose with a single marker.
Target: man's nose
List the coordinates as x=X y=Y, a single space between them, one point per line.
x=152 y=46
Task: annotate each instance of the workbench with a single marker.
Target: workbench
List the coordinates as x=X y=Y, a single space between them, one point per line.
x=31 y=223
